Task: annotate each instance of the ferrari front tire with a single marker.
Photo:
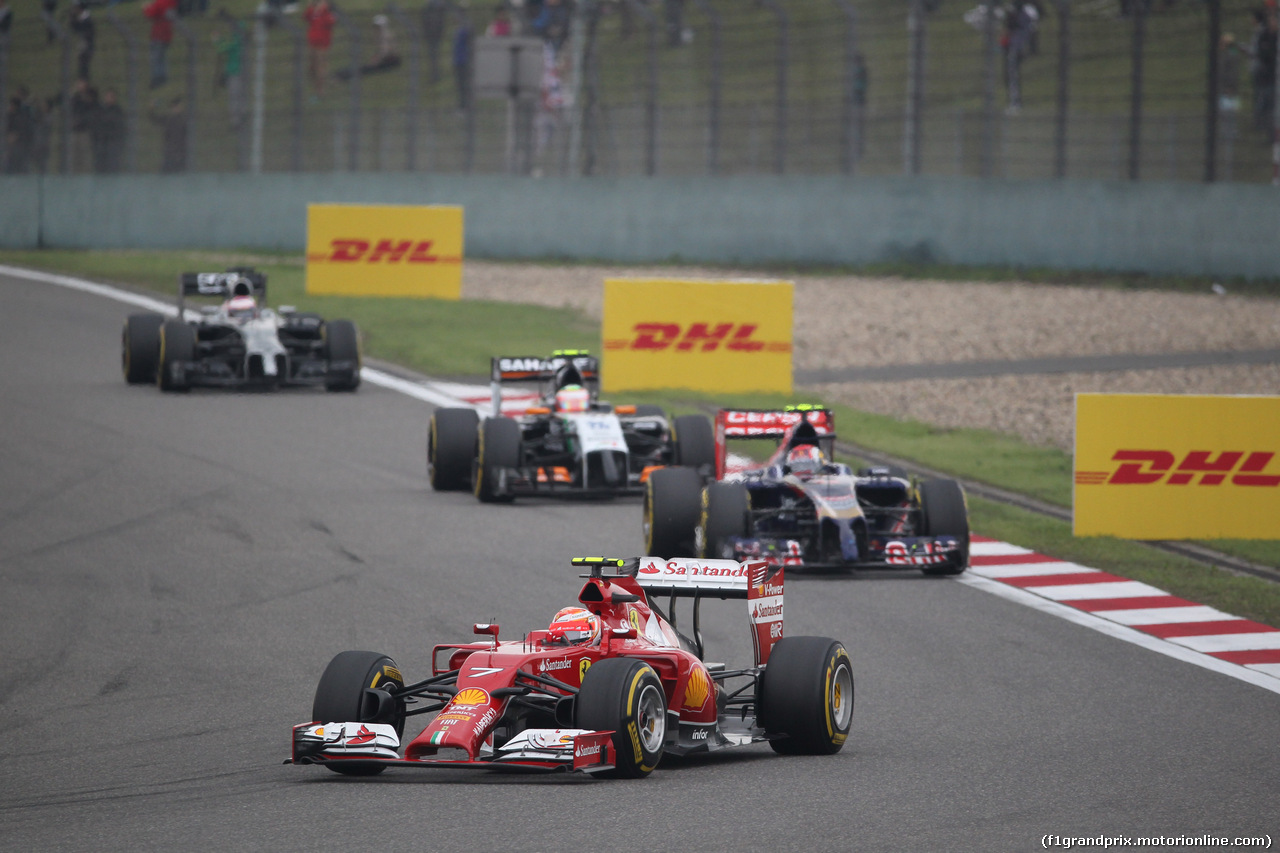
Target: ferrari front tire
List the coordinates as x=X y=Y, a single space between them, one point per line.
x=945 y=512
x=498 y=451
x=726 y=513
x=177 y=350
x=140 y=348
x=806 y=696
x=451 y=448
x=342 y=347
x=340 y=698
x=672 y=506
x=625 y=696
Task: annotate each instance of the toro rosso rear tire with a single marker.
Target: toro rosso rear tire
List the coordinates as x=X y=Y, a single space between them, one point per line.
x=806 y=696
x=177 y=350
x=451 y=448
x=726 y=513
x=672 y=507
x=342 y=350
x=942 y=503
x=499 y=450
x=140 y=348
x=624 y=696
x=695 y=443
x=341 y=698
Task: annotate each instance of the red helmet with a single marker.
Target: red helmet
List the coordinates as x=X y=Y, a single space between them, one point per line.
x=805 y=460
x=575 y=625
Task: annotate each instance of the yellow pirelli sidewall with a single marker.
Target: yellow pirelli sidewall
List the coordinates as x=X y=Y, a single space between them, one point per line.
x=384 y=250
x=702 y=335
x=1162 y=466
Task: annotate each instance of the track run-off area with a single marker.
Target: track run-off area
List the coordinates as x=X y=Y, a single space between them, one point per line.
x=178 y=569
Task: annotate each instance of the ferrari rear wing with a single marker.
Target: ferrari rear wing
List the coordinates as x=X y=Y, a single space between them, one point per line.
x=507 y=369
x=220 y=284
x=766 y=423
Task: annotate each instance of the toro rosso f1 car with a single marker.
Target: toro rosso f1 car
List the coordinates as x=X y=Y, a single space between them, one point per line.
x=609 y=688
x=800 y=509
x=571 y=443
x=238 y=343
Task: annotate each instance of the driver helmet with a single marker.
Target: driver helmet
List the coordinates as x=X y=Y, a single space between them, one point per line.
x=575 y=625
x=805 y=460
x=573 y=398
x=242 y=308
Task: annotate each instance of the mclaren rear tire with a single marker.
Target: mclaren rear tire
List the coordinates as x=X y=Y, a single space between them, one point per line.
x=806 y=696
x=498 y=451
x=140 y=348
x=342 y=352
x=726 y=513
x=341 y=698
x=177 y=350
x=694 y=441
x=672 y=507
x=451 y=448
x=625 y=696
x=946 y=513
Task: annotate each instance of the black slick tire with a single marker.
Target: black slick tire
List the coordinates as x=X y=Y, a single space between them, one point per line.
x=672 y=507
x=340 y=697
x=806 y=696
x=498 y=450
x=342 y=352
x=726 y=512
x=177 y=349
x=624 y=696
x=946 y=513
x=451 y=448
x=694 y=441
x=140 y=348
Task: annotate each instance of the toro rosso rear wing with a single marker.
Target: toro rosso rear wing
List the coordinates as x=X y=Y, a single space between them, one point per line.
x=767 y=423
x=220 y=284
x=508 y=369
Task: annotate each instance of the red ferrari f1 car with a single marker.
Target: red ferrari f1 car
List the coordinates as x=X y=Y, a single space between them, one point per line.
x=607 y=689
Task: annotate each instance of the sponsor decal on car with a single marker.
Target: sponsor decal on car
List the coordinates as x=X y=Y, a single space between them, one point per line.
x=583 y=666
x=547 y=665
x=697 y=689
x=471 y=697
x=634 y=616
x=483 y=722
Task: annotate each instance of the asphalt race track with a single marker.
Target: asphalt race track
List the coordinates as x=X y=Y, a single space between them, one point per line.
x=177 y=571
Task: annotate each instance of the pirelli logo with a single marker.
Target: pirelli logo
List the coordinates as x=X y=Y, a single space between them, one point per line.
x=696 y=337
x=1201 y=467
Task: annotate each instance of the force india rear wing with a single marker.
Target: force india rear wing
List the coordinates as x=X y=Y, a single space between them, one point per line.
x=757 y=582
x=220 y=284
x=766 y=423
x=507 y=369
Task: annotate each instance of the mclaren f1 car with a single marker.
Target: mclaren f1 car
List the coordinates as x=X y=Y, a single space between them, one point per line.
x=609 y=688
x=570 y=444
x=237 y=342
x=799 y=508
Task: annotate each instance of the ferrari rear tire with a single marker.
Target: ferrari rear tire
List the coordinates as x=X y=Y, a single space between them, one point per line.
x=140 y=348
x=177 y=350
x=342 y=344
x=499 y=450
x=806 y=696
x=625 y=696
x=695 y=443
x=451 y=448
x=726 y=513
x=672 y=507
x=946 y=513
x=340 y=698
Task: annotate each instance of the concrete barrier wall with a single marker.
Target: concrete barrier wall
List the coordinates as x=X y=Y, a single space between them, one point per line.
x=1221 y=229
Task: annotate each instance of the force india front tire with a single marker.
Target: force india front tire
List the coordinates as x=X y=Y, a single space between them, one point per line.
x=498 y=451
x=451 y=448
x=624 y=696
x=340 y=698
x=806 y=696
x=672 y=507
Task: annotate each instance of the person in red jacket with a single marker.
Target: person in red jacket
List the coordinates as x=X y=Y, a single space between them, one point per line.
x=320 y=23
x=161 y=13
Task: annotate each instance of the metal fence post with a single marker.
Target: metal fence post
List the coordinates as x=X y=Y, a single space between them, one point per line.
x=714 y=84
x=915 y=89
x=1064 y=78
x=780 y=132
x=1135 y=102
x=130 y=90
x=414 y=100
x=299 y=91
x=849 y=134
x=990 y=52
x=192 y=85
x=651 y=88
x=64 y=91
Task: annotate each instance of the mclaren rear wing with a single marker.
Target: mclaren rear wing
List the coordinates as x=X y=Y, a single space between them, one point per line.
x=766 y=423
x=508 y=369
x=220 y=284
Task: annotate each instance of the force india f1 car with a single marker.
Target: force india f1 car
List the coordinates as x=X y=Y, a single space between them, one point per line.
x=572 y=443
x=238 y=343
x=801 y=509
x=608 y=689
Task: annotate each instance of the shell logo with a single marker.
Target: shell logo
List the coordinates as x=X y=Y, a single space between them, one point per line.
x=695 y=692
x=471 y=696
